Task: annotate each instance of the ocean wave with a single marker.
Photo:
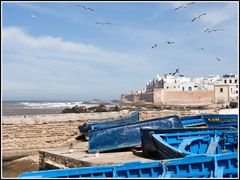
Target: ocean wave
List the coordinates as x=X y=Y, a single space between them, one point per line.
x=43 y=105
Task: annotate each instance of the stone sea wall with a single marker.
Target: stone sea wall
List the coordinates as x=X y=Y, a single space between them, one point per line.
x=25 y=135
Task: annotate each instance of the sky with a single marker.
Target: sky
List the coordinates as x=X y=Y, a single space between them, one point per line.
x=56 y=51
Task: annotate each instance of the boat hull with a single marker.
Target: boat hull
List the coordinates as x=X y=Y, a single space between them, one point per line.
x=227 y=120
x=132 y=118
x=124 y=136
x=147 y=143
x=175 y=145
x=198 y=166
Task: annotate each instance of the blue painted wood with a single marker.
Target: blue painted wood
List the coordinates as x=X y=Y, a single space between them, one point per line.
x=216 y=120
x=211 y=120
x=174 y=145
x=148 y=146
x=132 y=118
x=126 y=135
x=196 y=166
x=192 y=121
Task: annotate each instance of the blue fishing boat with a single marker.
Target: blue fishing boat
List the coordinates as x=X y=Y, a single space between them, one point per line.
x=147 y=142
x=192 y=121
x=175 y=145
x=124 y=136
x=211 y=120
x=132 y=118
x=223 y=120
x=196 y=166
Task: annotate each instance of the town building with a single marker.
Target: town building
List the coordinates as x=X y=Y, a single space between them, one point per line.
x=180 y=90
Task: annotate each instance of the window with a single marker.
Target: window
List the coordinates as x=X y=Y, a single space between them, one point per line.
x=221 y=89
x=167 y=87
x=195 y=86
x=236 y=92
x=189 y=88
x=230 y=81
x=183 y=88
x=235 y=80
x=225 y=81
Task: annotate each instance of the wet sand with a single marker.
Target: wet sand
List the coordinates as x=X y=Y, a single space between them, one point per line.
x=12 y=169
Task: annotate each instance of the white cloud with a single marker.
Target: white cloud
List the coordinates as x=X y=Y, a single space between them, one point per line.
x=219 y=15
x=48 y=63
x=18 y=41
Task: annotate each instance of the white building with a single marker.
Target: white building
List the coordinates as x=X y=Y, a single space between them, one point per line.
x=181 y=83
x=232 y=81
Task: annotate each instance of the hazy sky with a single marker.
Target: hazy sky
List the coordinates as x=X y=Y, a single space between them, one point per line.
x=55 y=50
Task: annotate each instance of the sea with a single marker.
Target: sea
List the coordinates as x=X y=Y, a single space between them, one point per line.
x=11 y=108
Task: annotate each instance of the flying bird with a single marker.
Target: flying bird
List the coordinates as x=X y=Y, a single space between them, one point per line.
x=190 y=3
x=177 y=71
x=206 y=30
x=35 y=17
x=170 y=42
x=214 y=30
x=201 y=48
x=103 y=23
x=218 y=59
x=155 y=45
x=198 y=17
x=85 y=8
x=184 y=6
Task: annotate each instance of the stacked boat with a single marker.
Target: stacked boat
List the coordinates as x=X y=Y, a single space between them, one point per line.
x=183 y=149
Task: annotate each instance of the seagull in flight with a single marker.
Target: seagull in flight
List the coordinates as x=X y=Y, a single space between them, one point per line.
x=85 y=8
x=206 y=30
x=184 y=6
x=155 y=45
x=103 y=23
x=177 y=71
x=201 y=48
x=170 y=42
x=214 y=30
x=35 y=17
x=218 y=59
x=198 y=17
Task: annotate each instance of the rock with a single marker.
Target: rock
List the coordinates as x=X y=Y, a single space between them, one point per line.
x=75 y=109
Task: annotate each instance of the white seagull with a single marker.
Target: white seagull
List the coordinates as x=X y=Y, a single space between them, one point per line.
x=103 y=23
x=35 y=17
x=85 y=8
x=184 y=6
x=198 y=17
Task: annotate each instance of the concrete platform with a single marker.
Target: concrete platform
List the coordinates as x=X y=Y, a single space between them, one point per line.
x=61 y=158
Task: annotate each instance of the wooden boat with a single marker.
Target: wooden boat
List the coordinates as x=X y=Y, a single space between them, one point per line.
x=175 y=145
x=192 y=121
x=196 y=166
x=147 y=143
x=124 y=136
x=132 y=118
x=210 y=120
x=221 y=120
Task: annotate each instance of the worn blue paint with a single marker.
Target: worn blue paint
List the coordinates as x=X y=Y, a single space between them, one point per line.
x=216 y=120
x=196 y=166
x=210 y=120
x=132 y=118
x=192 y=121
x=148 y=146
x=126 y=135
x=174 y=145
